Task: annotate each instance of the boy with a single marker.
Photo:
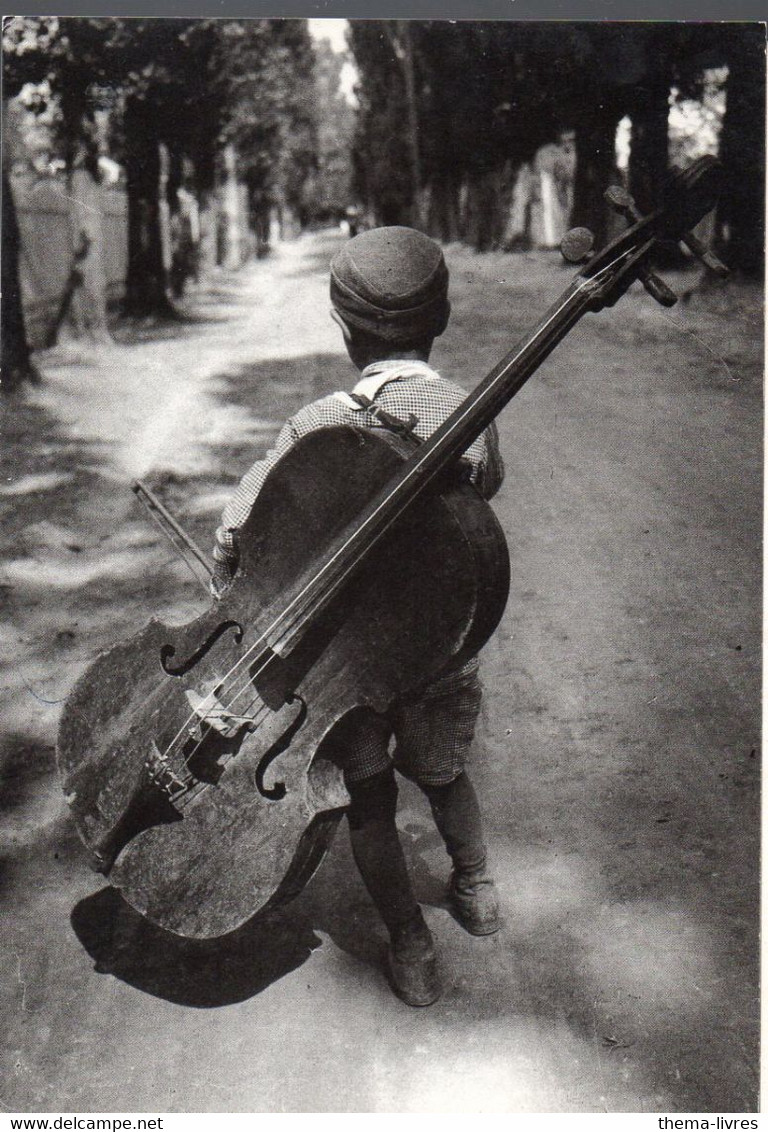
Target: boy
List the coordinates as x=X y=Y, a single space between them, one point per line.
x=389 y=290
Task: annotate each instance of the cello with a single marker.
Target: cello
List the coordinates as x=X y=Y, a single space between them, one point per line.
x=198 y=761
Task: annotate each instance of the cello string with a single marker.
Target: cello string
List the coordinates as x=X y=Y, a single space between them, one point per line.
x=298 y=605
x=306 y=595
x=290 y=624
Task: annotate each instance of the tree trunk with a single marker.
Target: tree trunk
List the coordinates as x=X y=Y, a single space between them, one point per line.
x=402 y=45
x=413 y=121
x=233 y=221
x=259 y=215
x=147 y=282
x=595 y=168
x=742 y=151
x=486 y=210
x=444 y=209
x=207 y=244
x=15 y=362
x=649 y=152
x=204 y=188
x=443 y=215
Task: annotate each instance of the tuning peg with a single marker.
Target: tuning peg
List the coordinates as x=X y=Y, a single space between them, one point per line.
x=658 y=289
x=708 y=258
x=621 y=201
x=577 y=244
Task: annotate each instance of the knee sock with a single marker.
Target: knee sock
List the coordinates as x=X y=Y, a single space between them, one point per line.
x=457 y=817
x=377 y=850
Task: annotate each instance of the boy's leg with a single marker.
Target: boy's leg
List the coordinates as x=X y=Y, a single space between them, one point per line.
x=457 y=816
x=377 y=850
x=378 y=853
x=471 y=891
x=434 y=735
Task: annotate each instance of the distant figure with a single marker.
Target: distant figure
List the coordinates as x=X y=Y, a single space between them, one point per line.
x=352 y=215
x=185 y=243
x=542 y=197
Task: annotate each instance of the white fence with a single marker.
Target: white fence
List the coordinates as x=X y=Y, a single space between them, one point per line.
x=45 y=223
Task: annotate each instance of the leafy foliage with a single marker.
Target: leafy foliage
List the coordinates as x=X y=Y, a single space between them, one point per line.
x=206 y=81
x=490 y=94
x=330 y=191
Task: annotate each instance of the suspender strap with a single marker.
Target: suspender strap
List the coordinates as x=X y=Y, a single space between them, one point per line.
x=394 y=424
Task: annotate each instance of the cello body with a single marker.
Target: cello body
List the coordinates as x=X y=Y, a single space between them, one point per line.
x=260 y=800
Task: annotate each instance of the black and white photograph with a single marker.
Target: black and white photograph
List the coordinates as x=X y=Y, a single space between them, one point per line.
x=381 y=518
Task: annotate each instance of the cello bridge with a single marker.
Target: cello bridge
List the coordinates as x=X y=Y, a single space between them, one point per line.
x=208 y=709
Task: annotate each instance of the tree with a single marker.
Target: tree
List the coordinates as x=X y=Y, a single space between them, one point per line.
x=654 y=48
x=504 y=114
x=741 y=213
x=264 y=82
x=16 y=366
x=161 y=70
x=489 y=95
x=684 y=55
x=382 y=160
x=331 y=191
x=15 y=362
x=401 y=40
x=180 y=94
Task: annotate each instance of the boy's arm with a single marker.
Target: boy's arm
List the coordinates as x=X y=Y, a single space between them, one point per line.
x=226 y=551
x=487 y=478
x=490 y=472
x=483 y=454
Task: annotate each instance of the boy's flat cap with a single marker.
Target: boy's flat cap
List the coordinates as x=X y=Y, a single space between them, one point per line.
x=391 y=282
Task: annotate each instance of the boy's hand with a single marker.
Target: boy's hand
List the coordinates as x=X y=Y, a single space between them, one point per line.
x=226 y=555
x=221 y=580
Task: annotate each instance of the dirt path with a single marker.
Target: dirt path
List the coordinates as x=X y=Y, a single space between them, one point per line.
x=617 y=757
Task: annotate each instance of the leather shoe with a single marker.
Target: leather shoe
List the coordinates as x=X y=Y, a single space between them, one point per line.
x=473 y=900
x=411 y=964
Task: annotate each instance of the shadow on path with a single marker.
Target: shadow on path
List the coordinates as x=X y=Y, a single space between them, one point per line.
x=202 y=973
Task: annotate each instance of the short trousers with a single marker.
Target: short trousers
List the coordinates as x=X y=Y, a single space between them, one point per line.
x=432 y=732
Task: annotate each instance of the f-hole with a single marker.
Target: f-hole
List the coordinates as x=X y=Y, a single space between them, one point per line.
x=278 y=791
x=182 y=667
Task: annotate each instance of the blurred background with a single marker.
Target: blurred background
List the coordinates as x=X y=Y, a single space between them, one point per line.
x=140 y=155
